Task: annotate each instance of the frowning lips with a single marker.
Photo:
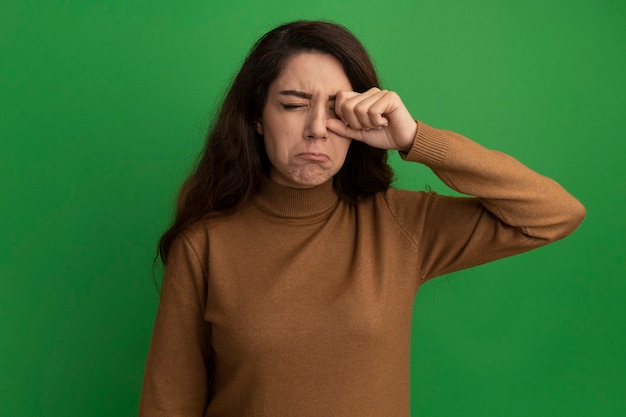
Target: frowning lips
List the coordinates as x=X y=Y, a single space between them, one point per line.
x=313 y=156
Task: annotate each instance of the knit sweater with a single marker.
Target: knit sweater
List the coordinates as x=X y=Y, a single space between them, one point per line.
x=300 y=304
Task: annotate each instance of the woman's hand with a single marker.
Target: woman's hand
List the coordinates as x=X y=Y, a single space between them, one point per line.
x=376 y=117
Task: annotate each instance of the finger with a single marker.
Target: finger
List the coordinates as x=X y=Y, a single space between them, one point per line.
x=338 y=127
x=371 y=109
x=388 y=103
x=340 y=99
x=351 y=116
x=341 y=129
x=347 y=104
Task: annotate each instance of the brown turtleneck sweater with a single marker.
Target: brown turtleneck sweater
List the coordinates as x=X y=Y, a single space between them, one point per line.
x=302 y=303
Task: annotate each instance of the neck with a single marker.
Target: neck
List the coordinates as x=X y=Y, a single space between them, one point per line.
x=286 y=202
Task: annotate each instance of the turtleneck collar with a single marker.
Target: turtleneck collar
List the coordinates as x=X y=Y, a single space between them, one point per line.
x=295 y=203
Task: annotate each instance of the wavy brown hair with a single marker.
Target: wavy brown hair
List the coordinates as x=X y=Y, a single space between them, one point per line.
x=234 y=159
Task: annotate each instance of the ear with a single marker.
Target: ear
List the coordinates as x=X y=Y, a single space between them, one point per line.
x=259 y=128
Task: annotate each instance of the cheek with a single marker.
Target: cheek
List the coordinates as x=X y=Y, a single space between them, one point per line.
x=341 y=148
x=280 y=136
x=276 y=147
x=270 y=147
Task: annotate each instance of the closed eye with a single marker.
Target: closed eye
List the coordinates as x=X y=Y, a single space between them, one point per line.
x=291 y=106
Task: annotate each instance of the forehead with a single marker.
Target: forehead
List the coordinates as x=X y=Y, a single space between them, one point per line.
x=312 y=73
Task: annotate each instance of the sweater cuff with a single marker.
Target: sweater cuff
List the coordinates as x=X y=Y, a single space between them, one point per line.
x=429 y=147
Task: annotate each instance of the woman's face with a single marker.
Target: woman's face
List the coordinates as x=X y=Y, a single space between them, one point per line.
x=302 y=152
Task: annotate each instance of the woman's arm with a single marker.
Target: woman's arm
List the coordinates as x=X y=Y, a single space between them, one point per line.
x=515 y=209
x=537 y=205
x=175 y=379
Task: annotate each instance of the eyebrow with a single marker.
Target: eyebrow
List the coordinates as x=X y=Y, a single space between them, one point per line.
x=302 y=94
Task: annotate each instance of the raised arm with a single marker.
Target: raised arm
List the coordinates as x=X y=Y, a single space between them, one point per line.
x=514 y=209
x=520 y=197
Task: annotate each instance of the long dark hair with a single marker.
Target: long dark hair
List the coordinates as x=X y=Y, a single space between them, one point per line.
x=234 y=159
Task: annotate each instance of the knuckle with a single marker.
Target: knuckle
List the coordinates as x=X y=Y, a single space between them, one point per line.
x=372 y=110
x=361 y=108
x=341 y=95
x=344 y=107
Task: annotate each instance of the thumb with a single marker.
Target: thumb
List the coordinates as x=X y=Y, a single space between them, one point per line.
x=340 y=128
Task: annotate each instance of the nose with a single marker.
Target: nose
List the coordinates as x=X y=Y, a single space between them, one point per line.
x=316 y=124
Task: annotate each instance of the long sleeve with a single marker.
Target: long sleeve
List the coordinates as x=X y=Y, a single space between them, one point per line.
x=514 y=210
x=175 y=379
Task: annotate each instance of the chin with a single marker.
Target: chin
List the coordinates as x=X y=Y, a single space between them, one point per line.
x=307 y=179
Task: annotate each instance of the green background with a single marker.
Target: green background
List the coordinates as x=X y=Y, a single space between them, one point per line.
x=104 y=105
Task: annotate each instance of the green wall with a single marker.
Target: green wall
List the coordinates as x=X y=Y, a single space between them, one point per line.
x=104 y=105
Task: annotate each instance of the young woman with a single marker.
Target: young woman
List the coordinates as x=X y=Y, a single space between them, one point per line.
x=292 y=265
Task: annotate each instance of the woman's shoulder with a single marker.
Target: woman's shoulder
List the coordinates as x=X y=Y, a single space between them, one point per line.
x=407 y=205
x=198 y=234
x=395 y=203
x=394 y=196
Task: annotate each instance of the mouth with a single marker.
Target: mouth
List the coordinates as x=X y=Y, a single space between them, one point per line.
x=313 y=156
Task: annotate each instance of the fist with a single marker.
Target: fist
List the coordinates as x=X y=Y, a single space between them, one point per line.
x=376 y=117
